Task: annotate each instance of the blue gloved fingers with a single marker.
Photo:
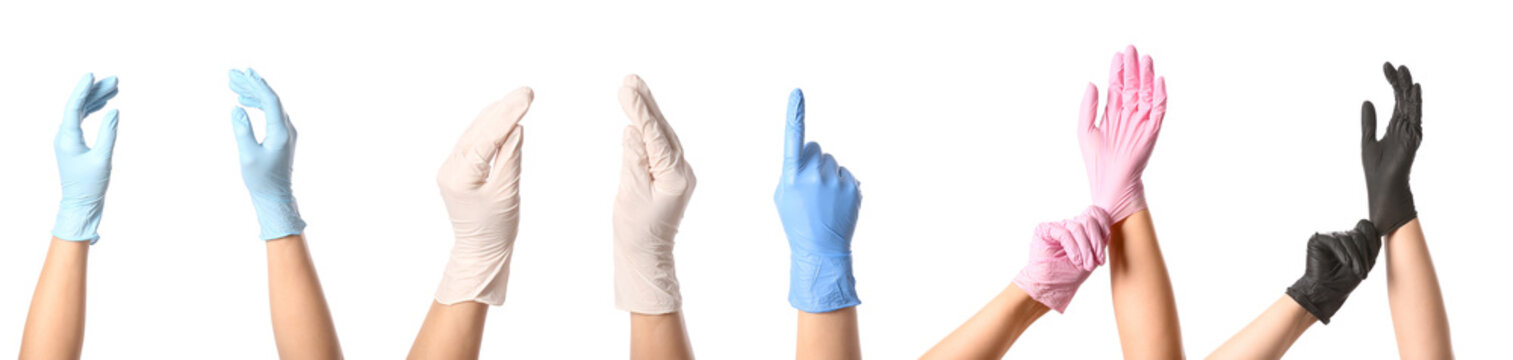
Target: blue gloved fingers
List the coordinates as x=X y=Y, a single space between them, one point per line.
x=105 y=141
x=100 y=93
x=485 y=136
x=241 y=128
x=248 y=94
x=793 y=139
x=252 y=91
x=70 y=136
x=847 y=178
x=635 y=165
x=829 y=168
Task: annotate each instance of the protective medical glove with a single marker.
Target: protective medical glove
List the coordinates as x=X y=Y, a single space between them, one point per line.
x=655 y=186
x=818 y=201
x=84 y=171
x=267 y=167
x=1115 y=150
x=483 y=202
x=1389 y=160
x=1337 y=262
x=1062 y=255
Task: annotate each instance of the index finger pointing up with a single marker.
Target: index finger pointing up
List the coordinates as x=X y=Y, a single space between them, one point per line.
x=793 y=137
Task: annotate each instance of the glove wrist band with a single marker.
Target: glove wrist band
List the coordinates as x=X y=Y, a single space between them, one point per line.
x=76 y=222
x=277 y=217
x=821 y=283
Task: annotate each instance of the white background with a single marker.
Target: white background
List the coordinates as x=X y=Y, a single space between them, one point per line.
x=958 y=119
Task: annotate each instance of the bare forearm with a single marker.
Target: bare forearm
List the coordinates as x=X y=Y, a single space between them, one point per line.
x=829 y=335
x=55 y=323
x=1144 y=306
x=1270 y=335
x=991 y=332
x=451 y=331
x=660 y=336
x=302 y=323
x=1418 y=310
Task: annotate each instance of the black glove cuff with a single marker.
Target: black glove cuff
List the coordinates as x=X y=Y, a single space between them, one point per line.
x=1319 y=301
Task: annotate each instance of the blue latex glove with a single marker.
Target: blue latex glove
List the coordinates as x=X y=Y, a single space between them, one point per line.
x=84 y=171
x=818 y=201
x=266 y=167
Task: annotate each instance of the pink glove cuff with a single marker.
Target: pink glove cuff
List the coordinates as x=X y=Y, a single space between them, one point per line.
x=1062 y=255
x=1124 y=201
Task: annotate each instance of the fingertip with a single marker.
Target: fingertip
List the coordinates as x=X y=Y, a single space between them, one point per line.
x=629 y=100
x=238 y=114
x=109 y=82
x=521 y=97
x=796 y=107
x=632 y=81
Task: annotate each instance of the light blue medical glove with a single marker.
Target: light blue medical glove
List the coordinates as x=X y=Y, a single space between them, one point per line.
x=818 y=201
x=266 y=167
x=84 y=171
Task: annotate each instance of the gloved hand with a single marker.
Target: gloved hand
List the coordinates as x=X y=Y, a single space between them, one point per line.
x=818 y=201
x=655 y=186
x=1337 y=263
x=266 y=167
x=1389 y=161
x=1116 y=150
x=1062 y=255
x=85 y=172
x=483 y=202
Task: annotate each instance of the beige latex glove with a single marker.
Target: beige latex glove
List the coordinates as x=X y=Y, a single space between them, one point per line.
x=484 y=202
x=655 y=184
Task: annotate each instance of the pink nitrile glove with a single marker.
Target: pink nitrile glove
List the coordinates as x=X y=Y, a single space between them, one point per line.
x=1062 y=255
x=1116 y=149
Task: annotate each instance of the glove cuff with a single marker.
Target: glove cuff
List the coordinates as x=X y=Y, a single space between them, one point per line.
x=819 y=284
x=1401 y=215
x=1036 y=282
x=1320 y=301
x=78 y=222
x=1126 y=201
x=646 y=280
x=277 y=217
x=475 y=274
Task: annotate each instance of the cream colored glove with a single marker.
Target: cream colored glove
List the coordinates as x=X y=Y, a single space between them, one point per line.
x=484 y=202
x=655 y=184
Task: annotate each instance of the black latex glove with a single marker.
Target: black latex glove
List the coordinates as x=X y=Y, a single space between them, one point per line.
x=1337 y=262
x=1389 y=160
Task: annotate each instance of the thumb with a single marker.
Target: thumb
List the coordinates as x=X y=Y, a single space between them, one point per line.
x=505 y=175
x=105 y=142
x=1089 y=111
x=635 y=168
x=1368 y=124
x=241 y=129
